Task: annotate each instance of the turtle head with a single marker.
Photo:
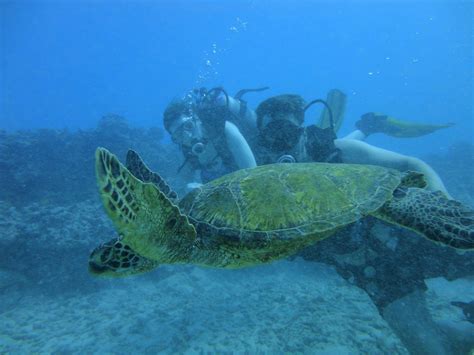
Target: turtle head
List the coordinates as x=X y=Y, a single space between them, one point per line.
x=116 y=259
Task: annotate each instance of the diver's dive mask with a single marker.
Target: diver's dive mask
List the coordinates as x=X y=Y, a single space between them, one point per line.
x=280 y=135
x=187 y=131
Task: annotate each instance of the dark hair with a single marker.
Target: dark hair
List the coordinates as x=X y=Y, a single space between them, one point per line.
x=173 y=111
x=281 y=104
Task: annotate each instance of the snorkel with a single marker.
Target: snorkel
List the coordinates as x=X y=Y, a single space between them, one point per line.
x=331 y=117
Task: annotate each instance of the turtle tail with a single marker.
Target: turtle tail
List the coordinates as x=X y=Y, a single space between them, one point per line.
x=431 y=214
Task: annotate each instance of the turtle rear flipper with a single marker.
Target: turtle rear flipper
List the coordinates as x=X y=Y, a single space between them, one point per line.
x=116 y=259
x=432 y=215
x=145 y=218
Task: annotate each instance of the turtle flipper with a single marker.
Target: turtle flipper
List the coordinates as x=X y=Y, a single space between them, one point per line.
x=145 y=218
x=116 y=259
x=142 y=172
x=432 y=215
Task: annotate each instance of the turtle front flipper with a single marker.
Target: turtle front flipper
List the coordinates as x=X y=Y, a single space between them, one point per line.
x=431 y=214
x=142 y=172
x=147 y=221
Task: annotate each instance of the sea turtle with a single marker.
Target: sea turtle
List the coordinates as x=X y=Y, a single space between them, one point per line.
x=257 y=215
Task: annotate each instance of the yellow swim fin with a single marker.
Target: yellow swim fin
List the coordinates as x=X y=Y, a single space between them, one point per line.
x=336 y=100
x=372 y=122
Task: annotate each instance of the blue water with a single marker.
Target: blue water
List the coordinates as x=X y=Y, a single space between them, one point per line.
x=65 y=64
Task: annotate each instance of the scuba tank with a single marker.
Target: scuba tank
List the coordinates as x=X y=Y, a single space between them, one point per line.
x=237 y=110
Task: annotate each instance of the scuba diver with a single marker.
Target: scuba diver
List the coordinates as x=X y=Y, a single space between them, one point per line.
x=218 y=134
x=284 y=139
x=209 y=126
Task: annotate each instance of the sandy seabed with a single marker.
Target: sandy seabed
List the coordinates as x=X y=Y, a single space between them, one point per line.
x=285 y=307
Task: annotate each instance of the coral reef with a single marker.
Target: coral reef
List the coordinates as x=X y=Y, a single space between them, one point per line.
x=50 y=213
x=48 y=244
x=388 y=262
x=58 y=166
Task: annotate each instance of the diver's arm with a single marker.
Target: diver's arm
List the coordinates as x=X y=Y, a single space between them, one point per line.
x=239 y=147
x=357 y=152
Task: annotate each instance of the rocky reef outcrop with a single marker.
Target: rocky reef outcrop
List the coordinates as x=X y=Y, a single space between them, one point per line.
x=58 y=165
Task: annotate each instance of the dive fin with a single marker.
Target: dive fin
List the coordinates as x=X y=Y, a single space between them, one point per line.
x=371 y=122
x=336 y=100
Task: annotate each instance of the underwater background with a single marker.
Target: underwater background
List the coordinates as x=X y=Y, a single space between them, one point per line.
x=75 y=75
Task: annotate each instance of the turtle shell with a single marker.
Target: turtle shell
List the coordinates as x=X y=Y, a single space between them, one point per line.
x=287 y=200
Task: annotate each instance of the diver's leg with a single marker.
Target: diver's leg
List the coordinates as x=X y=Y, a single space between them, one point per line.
x=357 y=152
x=358 y=135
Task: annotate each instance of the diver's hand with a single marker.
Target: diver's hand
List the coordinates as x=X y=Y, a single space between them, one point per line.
x=192 y=185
